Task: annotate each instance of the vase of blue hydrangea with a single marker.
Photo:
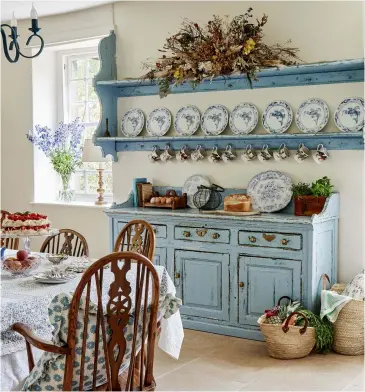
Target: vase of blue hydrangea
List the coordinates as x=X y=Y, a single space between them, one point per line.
x=63 y=147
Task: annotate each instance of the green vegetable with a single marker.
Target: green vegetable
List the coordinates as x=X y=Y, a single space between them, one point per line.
x=322 y=187
x=301 y=189
x=324 y=330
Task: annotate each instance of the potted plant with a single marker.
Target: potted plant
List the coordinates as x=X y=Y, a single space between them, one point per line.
x=63 y=147
x=310 y=199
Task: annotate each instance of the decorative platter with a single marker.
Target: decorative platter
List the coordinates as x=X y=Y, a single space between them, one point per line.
x=244 y=118
x=132 y=122
x=214 y=120
x=312 y=115
x=187 y=120
x=191 y=187
x=270 y=191
x=349 y=116
x=277 y=117
x=158 y=122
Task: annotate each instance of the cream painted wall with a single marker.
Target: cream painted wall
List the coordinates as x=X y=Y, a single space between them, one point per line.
x=318 y=28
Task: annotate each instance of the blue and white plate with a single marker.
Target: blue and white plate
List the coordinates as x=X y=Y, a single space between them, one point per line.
x=270 y=191
x=132 y=122
x=187 y=120
x=158 y=122
x=243 y=118
x=349 y=116
x=277 y=117
x=214 y=120
x=312 y=115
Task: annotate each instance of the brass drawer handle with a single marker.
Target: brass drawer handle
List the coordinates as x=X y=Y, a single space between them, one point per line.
x=252 y=239
x=242 y=284
x=177 y=275
x=269 y=237
x=201 y=233
x=285 y=241
x=215 y=236
x=186 y=234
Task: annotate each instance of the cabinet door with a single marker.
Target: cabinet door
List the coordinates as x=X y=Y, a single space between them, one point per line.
x=160 y=257
x=264 y=281
x=202 y=281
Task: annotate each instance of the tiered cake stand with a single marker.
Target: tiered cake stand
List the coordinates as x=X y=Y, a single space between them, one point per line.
x=26 y=238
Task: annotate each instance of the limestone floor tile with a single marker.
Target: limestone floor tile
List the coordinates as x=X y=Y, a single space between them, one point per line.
x=210 y=362
x=189 y=378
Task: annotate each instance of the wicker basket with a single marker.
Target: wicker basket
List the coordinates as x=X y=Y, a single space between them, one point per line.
x=288 y=342
x=349 y=326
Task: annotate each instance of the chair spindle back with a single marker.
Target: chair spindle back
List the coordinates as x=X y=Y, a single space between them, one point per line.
x=137 y=236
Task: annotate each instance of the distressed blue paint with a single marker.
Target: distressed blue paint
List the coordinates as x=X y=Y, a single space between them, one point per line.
x=203 y=284
x=267 y=239
x=109 y=89
x=345 y=71
x=265 y=281
x=332 y=141
x=210 y=272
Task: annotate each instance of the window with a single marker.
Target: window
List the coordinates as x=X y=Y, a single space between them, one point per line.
x=80 y=100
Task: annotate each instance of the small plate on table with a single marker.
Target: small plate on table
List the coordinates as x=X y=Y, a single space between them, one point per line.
x=54 y=276
x=349 y=116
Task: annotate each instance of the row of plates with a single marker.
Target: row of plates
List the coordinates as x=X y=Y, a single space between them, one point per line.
x=311 y=117
x=270 y=191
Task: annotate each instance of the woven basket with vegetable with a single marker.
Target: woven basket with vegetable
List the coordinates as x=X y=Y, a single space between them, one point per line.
x=293 y=332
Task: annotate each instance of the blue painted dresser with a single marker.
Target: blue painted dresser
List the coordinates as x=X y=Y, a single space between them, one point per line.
x=229 y=269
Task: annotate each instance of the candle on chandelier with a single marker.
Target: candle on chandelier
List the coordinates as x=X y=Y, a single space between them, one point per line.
x=14 y=22
x=34 y=18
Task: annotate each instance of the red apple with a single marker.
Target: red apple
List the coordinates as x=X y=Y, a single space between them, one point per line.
x=22 y=254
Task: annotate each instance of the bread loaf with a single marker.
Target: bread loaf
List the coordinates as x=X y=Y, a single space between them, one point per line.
x=237 y=203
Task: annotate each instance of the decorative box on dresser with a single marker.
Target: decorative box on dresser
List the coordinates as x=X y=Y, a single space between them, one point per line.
x=229 y=269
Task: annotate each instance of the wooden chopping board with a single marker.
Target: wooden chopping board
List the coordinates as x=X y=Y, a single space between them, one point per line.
x=222 y=212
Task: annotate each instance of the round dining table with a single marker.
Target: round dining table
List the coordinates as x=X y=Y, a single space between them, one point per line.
x=26 y=300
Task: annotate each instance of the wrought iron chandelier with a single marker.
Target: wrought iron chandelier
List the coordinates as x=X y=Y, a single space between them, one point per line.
x=13 y=46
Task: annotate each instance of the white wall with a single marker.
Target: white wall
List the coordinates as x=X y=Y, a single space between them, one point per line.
x=319 y=29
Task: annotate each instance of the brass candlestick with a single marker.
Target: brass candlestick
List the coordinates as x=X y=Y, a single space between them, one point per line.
x=100 y=201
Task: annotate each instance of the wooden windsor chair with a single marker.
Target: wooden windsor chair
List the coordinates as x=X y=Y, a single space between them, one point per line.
x=119 y=313
x=137 y=236
x=10 y=243
x=67 y=241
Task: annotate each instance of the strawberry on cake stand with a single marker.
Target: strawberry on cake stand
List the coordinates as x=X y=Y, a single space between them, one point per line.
x=26 y=225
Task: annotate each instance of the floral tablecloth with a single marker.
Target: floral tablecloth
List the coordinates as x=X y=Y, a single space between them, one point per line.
x=25 y=300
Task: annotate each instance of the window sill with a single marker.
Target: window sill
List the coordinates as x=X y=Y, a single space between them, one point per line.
x=81 y=204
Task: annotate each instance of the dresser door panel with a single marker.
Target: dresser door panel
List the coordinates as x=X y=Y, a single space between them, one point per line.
x=160 y=257
x=202 y=281
x=264 y=281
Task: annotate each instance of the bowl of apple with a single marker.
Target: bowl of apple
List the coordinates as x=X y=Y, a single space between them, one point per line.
x=20 y=264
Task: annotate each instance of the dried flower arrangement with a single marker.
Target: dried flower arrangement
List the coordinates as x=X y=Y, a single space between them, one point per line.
x=221 y=47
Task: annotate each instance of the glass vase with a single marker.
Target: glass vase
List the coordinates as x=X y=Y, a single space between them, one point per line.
x=66 y=194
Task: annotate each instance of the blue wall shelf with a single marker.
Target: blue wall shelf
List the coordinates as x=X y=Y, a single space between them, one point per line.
x=109 y=89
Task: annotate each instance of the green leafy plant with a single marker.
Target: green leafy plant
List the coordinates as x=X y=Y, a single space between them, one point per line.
x=322 y=187
x=324 y=330
x=301 y=189
x=65 y=164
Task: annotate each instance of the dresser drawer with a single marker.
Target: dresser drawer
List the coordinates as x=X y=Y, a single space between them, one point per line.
x=160 y=230
x=270 y=240
x=202 y=234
